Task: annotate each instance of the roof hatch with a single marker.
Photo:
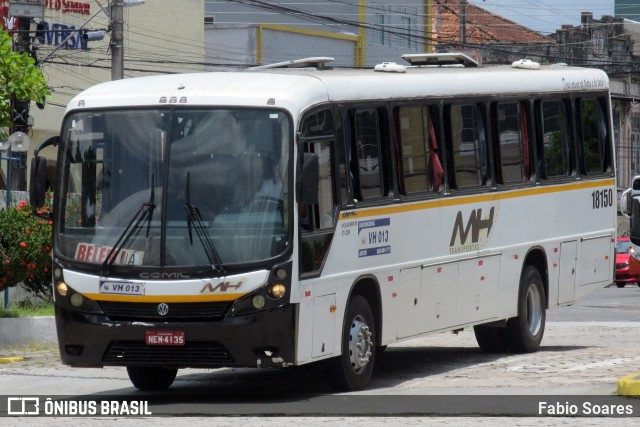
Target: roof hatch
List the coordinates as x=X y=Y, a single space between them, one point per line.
x=314 y=62
x=440 y=59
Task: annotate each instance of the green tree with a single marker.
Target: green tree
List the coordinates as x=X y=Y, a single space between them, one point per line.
x=19 y=77
x=25 y=251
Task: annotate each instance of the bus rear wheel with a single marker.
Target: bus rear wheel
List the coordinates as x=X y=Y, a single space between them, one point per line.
x=151 y=379
x=353 y=368
x=525 y=331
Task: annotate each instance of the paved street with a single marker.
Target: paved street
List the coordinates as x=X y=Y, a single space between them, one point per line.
x=586 y=349
x=575 y=358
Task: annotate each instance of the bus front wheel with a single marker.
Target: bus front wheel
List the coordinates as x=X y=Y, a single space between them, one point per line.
x=353 y=368
x=151 y=379
x=525 y=331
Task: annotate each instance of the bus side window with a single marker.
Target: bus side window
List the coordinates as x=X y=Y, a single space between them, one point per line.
x=317 y=220
x=592 y=126
x=512 y=151
x=343 y=162
x=556 y=153
x=320 y=215
x=366 y=155
x=420 y=169
x=467 y=149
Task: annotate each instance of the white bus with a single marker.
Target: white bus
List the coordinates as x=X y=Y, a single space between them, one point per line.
x=283 y=216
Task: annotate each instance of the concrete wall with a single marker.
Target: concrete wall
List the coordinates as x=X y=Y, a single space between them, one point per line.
x=27 y=330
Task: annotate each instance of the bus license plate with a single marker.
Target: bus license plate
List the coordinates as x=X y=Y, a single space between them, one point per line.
x=164 y=338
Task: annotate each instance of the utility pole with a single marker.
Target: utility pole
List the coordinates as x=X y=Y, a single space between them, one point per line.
x=20 y=112
x=17 y=176
x=117 y=39
x=428 y=26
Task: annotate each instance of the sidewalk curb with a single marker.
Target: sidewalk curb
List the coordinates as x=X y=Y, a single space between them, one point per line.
x=629 y=385
x=11 y=359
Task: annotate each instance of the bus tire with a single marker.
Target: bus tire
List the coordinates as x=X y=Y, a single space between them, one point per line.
x=151 y=379
x=491 y=339
x=353 y=368
x=525 y=331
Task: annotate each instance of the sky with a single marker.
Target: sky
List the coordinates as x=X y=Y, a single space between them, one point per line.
x=546 y=16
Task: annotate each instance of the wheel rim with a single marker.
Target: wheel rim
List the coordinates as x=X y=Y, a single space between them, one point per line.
x=360 y=344
x=534 y=309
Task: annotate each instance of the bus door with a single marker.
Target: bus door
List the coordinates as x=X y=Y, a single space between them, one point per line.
x=316 y=225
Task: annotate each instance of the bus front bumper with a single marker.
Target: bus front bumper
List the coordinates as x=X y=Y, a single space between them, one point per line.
x=265 y=339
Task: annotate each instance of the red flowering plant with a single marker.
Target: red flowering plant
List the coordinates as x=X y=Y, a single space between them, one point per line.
x=25 y=251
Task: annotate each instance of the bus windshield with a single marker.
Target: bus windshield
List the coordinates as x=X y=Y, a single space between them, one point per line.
x=174 y=187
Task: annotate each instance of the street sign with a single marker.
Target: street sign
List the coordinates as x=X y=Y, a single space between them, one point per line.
x=27 y=8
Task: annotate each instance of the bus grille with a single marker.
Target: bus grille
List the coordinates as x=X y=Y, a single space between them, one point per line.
x=189 y=355
x=177 y=311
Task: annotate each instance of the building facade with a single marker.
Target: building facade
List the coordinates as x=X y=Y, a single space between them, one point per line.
x=160 y=36
x=164 y=36
x=627 y=9
x=356 y=33
x=612 y=44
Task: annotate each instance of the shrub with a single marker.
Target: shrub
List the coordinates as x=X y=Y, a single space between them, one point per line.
x=25 y=251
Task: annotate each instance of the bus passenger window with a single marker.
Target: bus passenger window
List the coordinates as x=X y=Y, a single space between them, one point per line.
x=513 y=150
x=421 y=169
x=343 y=162
x=467 y=145
x=555 y=139
x=594 y=136
x=367 y=155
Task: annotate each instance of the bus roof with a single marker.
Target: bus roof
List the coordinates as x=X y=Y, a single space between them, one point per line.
x=297 y=89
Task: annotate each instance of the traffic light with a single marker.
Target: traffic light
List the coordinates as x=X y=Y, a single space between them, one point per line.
x=20 y=116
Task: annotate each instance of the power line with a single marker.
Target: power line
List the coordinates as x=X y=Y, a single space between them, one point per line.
x=155 y=51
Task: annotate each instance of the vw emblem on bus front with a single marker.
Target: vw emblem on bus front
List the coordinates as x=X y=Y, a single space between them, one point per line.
x=163 y=309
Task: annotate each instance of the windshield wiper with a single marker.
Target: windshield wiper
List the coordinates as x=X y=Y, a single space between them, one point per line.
x=194 y=220
x=152 y=200
x=146 y=210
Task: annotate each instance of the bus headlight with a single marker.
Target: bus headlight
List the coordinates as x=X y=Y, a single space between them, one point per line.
x=281 y=273
x=273 y=294
x=76 y=300
x=62 y=289
x=258 y=302
x=277 y=290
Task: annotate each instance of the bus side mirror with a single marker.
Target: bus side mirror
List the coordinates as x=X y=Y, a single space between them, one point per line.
x=39 y=173
x=310 y=178
x=625 y=203
x=627 y=196
x=38 y=182
x=635 y=221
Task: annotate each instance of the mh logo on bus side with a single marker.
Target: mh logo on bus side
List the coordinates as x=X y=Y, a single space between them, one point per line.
x=478 y=227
